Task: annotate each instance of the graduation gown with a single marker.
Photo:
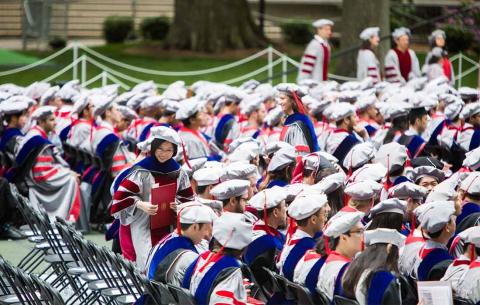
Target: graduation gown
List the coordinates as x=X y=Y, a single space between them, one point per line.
x=469 y=137
x=331 y=274
x=8 y=142
x=216 y=279
x=51 y=183
x=307 y=271
x=340 y=142
x=393 y=73
x=299 y=132
x=415 y=143
x=434 y=260
x=469 y=216
x=293 y=251
x=315 y=60
x=368 y=65
x=384 y=289
x=196 y=143
x=408 y=254
x=267 y=242
x=226 y=130
x=139 y=129
x=469 y=285
x=80 y=134
x=170 y=258
x=456 y=271
x=134 y=185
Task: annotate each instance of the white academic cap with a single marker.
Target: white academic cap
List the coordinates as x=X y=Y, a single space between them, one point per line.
x=365 y=101
x=452 y=110
x=239 y=170
x=193 y=165
x=394 y=110
x=359 y=155
x=471 y=236
x=472 y=159
x=274 y=116
x=68 y=91
x=12 y=108
x=369 y=171
x=176 y=91
x=471 y=184
x=12 y=89
x=273 y=147
x=188 y=108
x=407 y=190
x=20 y=98
x=230 y=189
x=399 y=32
x=444 y=191
x=232 y=230
x=384 y=236
x=305 y=205
x=80 y=102
x=170 y=106
x=165 y=133
x=208 y=176
x=363 y=190
x=391 y=205
x=340 y=111
x=289 y=88
x=135 y=101
x=427 y=171
x=123 y=98
x=281 y=159
x=341 y=223
x=436 y=214
x=468 y=93
x=315 y=161
x=367 y=33
x=49 y=94
x=43 y=112
x=241 y=141
x=195 y=212
x=148 y=86
x=36 y=90
x=322 y=22
x=268 y=198
x=249 y=85
x=470 y=110
x=391 y=155
x=330 y=183
x=151 y=102
x=100 y=103
x=250 y=103
x=4 y=96
x=126 y=112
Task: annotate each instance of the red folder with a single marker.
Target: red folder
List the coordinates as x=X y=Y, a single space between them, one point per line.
x=162 y=196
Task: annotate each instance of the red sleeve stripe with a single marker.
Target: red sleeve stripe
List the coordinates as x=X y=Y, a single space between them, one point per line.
x=38 y=169
x=391 y=75
x=119 y=158
x=46 y=176
x=306 y=71
x=122 y=204
x=120 y=195
x=310 y=56
x=311 y=64
x=230 y=295
x=131 y=186
x=372 y=68
x=44 y=159
x=389 y=68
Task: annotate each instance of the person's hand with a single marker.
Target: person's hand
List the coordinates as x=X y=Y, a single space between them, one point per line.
x=147 y=207
x=361 y=131
x=75 y=175
x=173 y=206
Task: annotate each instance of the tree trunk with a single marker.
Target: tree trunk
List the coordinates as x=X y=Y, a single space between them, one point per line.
x=213 y=26
x=356 y=16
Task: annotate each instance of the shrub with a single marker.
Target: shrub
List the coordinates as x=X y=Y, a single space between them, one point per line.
x=458 y=38
x=297 y=32
x=57 y=43
x=154 y=28
x=117 y=28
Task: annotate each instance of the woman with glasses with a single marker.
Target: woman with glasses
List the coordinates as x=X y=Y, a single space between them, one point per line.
x=132 y=194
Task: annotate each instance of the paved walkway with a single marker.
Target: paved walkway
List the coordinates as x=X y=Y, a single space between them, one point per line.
x=16 y=43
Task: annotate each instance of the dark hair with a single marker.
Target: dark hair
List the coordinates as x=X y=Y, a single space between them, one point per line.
x=321 y=248
x=8 y=117
x=269 y=212
x=335 y=200
x=416 y=113
x=374 y=258
x=284 y=174
x=201 y=189
x=387 y=220
x=167 y=113
x=186 y=122
x=436 y=234
x=366 y=45
x=156 y=144
x=473 y=197
x=434 y=59
x=226 y=201
x=399 y=124
x=186 y=226
x=228 y=251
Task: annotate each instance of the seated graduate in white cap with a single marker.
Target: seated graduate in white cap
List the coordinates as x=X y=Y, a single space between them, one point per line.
x=15 y=115
x=226 y=127
x=367 y=61
x=167 y=109
x=206 y=179
x=469 y=137
x=169 y=259
x=216 y=276
x=127 y=116
x=411 y=138
x=342 y=239
x=427 y=176
x=272 y=126
x=132 y=198
x=401 y=62
x=332 y=184
x=51 y=183
x=368 y=114
x=358 y=156
x=470 y=193
x=373 y=277
x=362 y=196
x=309 y=168
x=234 y=195
x=280 y=168
x=393 y=156
x=81 y=130
x=414 y=195
x=310 y=211
x=253 y=108
x=298 y=129
x=347 y=134
x=467 y=253
x=437 y=220
x=468 y=286
x=315 y=60
x=191 y=114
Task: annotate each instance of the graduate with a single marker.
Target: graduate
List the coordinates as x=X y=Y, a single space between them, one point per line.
x=170 y=258
x=234 y=195
x=51 y=183
x=81 y=130
x=367 y=61
x=401 y=62
x=139 y=128
x=15 y=115
x=298 y=129
x=411 y=138
x=226 y=128
x=470 y=194
x=132 y=194
x=368 y=113
x=315 y=60
x=253 y=108
x=216 y=277
x=393 y=156
x=362 y=196
x=427 y=176
x=468 y=286
x=468 y=137
x=437 y=40
x=205 y=179
x=310 y=211
x=280 y=168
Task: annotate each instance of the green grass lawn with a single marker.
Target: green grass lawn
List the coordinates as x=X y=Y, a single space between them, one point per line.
x=12 y=58
x=153 y=57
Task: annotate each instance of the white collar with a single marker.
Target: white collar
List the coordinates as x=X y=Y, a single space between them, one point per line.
x=320 y=39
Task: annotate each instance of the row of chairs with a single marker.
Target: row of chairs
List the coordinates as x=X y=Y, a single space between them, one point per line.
x=77 y=155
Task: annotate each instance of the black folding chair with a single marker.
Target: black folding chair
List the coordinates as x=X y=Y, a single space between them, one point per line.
x=339 y=300
x=181 y=295
x=162 y=291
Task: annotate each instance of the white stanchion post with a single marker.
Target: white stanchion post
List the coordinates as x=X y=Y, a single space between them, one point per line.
x=84 y=69
x=460 y=58
x=75 y=56
x=104 y=78
x=284 y=68
x=270 y=66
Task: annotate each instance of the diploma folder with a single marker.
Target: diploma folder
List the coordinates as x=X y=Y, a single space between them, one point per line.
x=162 y=195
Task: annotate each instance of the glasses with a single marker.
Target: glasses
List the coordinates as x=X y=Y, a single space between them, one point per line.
x=359 y=231
x=161 y=150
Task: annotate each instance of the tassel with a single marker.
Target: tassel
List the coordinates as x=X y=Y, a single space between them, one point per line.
x=299 y=103
x=292 y=227
x=298 y=171
x=388 y=184
x=185 y=156
x=219 y=252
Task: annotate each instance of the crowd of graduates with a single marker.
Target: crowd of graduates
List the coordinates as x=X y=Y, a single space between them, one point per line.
x=355 y=191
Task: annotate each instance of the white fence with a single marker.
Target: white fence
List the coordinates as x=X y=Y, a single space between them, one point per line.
x=110 y=73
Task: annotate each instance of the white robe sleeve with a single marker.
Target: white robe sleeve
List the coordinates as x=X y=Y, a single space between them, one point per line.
x=367 y=65
x=392 y=68
x=415 y=71
x=311 y=66
x=230 y=290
